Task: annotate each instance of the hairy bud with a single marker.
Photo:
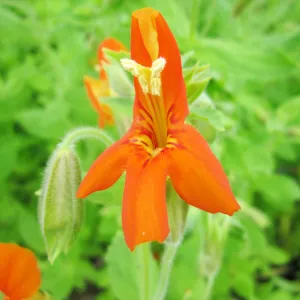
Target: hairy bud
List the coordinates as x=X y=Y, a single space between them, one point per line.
x=60 y=212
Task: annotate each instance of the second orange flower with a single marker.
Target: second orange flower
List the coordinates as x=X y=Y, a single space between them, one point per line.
x=97 y=88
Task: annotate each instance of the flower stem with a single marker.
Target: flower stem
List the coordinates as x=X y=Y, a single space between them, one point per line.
x=144 y=276
x=166 y=268
x=81 y=133
x=210 y=285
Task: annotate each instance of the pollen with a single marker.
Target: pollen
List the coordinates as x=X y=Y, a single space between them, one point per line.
x=149 y=78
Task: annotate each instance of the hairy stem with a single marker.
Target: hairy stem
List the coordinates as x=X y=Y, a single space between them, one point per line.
x=81 y=133
x=210 y=285
x=166 y=268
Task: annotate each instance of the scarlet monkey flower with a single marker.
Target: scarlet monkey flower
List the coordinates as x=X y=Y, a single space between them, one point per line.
x=97 y=88
x=158 y=144
x=20 y=277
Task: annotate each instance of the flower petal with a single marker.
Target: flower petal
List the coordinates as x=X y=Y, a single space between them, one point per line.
x=173 y=84
x=144 y=215
x=151 y=38
x=107 y=168
x=19 y=274
x=198 y=176
x=95 y=89
x=144 y=43
x=109 y=43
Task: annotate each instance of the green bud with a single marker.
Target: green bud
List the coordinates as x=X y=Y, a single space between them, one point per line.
x=177 y=215
x=60 y=212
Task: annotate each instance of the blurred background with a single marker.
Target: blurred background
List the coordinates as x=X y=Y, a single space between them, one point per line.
x=253 y=49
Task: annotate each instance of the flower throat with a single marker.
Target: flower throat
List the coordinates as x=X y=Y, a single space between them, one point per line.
x=154 y=113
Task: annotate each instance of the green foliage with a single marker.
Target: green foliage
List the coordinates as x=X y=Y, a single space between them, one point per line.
x=249 y=111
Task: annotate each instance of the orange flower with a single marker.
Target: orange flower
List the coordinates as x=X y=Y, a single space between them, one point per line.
x=20 y=277
x=97 y=88
x=159 y=144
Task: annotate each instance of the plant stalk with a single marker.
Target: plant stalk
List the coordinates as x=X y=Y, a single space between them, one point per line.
x=81 y=133
x=166 y=268
x=210 y=285
x=144 y=274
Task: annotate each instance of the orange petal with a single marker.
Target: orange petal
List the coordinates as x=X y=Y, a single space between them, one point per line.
x=107 y=168
x=144 y=215
x=173 y=84
x=151 y=38
x=95 y=89
x=198 y=176
x=106 y=116
x=144 y=43
x=112 y=44
x=19 y=274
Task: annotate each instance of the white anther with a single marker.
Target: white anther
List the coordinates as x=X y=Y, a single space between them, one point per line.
x=155 y=84
x=148 y=78
x=157 y=66
x=130 y=66
x=143 y=83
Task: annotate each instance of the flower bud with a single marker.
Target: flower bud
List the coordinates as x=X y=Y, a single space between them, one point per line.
x=60 y=212
x=177 y=214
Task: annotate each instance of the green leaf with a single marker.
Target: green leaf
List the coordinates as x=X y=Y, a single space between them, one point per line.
x=215 y=117
x=265 y=289
x=206 y=129
x=111 y=196
x=186 y=58
x=254 y=236
x=288 y=112
x=187 y=266
x=8 y=152
x=109 y=225
x=258 y=216
x=258 y=160
x=123 y=271
x=278 y=190
x=243 y=60
x=244 y=285
x=30 y=232
x=196 y=79
x=68 y=272
x=280 y=295
x=277 y=256
x=50 y=122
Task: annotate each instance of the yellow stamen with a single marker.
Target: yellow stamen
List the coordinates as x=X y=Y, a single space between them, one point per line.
x=156 y=151
x=149 y=79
